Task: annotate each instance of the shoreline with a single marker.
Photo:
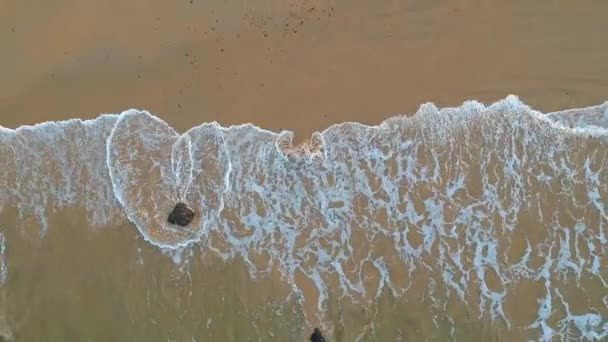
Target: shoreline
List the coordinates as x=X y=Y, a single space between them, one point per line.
x=413 y=234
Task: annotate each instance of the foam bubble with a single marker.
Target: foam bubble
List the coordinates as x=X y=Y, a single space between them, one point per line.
x=152 y=168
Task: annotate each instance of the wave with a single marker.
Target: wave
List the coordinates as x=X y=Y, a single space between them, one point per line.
x=459 y=191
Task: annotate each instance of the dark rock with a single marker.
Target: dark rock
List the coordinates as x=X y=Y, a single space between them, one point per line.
x=181 y=215
x=317 y=336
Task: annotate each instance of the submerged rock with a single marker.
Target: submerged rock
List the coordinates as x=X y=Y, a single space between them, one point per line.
x=181 y=215
x=317 y=336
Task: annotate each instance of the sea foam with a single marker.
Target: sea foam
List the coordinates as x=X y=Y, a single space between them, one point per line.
x=449 y=190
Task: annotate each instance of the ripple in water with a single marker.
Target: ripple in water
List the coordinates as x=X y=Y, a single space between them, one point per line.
x=478 y=200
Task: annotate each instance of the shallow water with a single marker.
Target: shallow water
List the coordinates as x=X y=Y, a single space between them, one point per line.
x=475 y=222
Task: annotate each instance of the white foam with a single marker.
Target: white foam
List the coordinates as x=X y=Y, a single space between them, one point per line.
x=59 y=164
x=588 y=325
x=3 y=264
x=446 y=187
x=152 y=168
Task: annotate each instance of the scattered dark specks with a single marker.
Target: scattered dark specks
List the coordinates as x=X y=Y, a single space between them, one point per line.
x=186 y=54
x=213 y=29
x=301 y=22
x=237 y=35
x=221 y=50
x=191 y=2
x=179 y=106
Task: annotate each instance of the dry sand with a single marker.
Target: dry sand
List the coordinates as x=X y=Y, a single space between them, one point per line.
x=298 y=65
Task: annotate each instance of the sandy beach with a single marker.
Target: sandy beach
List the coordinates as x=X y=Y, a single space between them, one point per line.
x=290 y=65
x=300 y=65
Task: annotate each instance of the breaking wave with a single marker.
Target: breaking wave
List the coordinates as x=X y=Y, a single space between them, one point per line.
x=482 y=198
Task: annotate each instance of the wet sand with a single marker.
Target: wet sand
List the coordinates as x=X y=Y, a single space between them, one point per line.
x=300 y=66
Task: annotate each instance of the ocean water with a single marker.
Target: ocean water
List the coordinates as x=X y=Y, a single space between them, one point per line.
x=476 y=207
